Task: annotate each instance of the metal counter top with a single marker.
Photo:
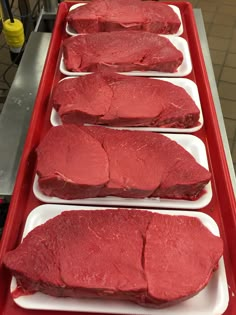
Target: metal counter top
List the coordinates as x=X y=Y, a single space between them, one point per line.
x=17 y=110
x=16 y=114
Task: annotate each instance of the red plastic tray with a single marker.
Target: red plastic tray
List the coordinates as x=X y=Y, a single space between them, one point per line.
x=221 y=209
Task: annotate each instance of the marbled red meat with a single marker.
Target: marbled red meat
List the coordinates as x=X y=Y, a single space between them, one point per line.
x=121 y=51
x=148 y=258
x=118 y=15
x=118 y=100
x=80 y=162
x=71 y=164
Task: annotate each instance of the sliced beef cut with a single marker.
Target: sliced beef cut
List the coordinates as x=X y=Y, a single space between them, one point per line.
x=97 y=161
x=119 y=100
x=71 y=164
x=180 y=256
x=148 y=258
x=94 y=97
x=118 y=15
x=134 y=168
x=74 y=248
x=121 y=51
x=161 y=162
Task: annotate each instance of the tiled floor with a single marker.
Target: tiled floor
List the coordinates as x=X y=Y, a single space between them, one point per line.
x=220 y=23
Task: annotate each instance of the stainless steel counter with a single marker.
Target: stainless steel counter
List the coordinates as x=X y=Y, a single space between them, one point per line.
x=16 y=113
x=18 y=107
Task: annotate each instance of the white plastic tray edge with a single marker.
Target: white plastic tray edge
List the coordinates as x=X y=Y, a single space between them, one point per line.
x=191 y=143
x=70 y=31
x=184 y=69
x=40 y=301
x=189 y=86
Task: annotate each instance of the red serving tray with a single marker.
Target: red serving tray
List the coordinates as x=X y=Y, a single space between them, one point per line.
x=221 y=208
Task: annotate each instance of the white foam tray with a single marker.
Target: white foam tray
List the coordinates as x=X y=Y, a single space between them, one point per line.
x=191 y=143
x=212 y=300
x=72 y=32
x=184 y=69
x=189 y=86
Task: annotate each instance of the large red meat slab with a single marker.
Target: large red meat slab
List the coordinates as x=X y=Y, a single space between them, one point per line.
x=117 y=15
x=121 y=51
x=84 y=162
x=119 y=100
x=148 y=258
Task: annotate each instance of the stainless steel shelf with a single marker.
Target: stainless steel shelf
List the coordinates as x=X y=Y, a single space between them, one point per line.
x=17 y=110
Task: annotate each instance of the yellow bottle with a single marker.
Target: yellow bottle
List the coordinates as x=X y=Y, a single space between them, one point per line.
x=14 y=34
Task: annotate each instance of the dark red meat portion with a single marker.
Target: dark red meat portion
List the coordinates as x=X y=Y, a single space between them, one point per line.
x=71 y=164
x=119 y=100
x=80 y=162
x=189 y=255
x=121 y=51
x=118 y=15
x=93 y=95
x=134 y=255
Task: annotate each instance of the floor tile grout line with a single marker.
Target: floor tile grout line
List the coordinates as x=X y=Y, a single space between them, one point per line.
x=230 y=82
x=226 y=66
x=215 y=12
x=221 y=37
x=229 y=118
x=227 y=99
x=221 y=49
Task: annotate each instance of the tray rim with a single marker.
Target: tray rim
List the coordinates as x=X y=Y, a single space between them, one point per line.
x=72 y=32
x=183 y=70
x=209 y=223
x=54 y=117
x=184 y=140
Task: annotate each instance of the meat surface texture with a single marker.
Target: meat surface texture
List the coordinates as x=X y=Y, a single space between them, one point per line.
x=80 y=162
x=135 y=255
x=121 y=51
x=76 y=165
x=118 y=100
x=118 y=15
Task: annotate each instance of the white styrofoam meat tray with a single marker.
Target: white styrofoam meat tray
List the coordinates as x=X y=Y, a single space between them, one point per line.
x=190 y=143
x=212 y=300
x=189 y=86
x=72 y=32
x=184 y=69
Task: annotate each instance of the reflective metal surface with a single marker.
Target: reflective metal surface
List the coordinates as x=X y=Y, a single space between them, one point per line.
x=16 y=113
x=45 y=22
x=50 y=5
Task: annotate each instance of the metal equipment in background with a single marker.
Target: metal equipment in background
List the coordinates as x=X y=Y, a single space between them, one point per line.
x=20 y=18
x=13 y=31
x=50 y=6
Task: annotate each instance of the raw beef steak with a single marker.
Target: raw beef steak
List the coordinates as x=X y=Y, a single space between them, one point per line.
x=119 y=100
x=180 y=256
x=148 y=258
x=76 y=166
x=80 y=162
x=118 y=15
x=121 y=51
